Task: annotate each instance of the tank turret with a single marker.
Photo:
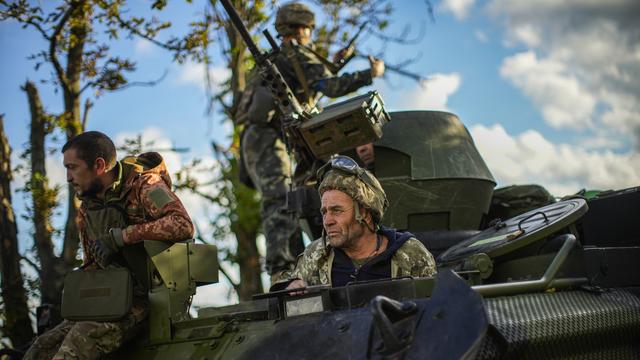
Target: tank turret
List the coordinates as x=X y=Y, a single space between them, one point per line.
x=435 y=177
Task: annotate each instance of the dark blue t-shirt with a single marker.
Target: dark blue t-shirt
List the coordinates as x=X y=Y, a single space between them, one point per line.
x=343 y=270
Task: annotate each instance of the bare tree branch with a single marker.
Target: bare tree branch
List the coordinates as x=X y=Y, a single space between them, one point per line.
x=403 y=38
x=53 y=44
x=236 y=287
x=134 y=30
x=129 y=84
x=87 y=105
x=31 y=263
x=20 y=14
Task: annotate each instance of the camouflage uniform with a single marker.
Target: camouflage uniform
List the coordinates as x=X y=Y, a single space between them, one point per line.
x=408 y=256
x=263 y=149
x=315 y=264
x=141 y=203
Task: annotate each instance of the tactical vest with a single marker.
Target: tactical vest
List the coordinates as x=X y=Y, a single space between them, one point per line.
x=102 y=215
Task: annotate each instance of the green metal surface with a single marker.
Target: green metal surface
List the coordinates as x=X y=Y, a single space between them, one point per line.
x=344 y=125
x=435 y=179
x=175 y=271
x=518 y=232
x=433 y=174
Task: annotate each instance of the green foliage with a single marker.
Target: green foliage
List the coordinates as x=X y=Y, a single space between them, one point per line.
x=100 y=71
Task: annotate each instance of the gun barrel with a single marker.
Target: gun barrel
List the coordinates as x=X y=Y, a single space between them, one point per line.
x=355 y=37
x=242 y=29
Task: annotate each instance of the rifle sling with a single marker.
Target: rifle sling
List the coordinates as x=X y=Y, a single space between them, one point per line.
x=330 y=65
x=297 y=68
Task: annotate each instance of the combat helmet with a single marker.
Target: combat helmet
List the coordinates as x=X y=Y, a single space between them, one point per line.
x=343 y=173
x=291 y=14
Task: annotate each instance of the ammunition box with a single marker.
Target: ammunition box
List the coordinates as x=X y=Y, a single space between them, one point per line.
x=345 y=125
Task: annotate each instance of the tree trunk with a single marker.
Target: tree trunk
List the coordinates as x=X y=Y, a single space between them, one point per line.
x=246 y=230
x=17 y=323
x=43 y=203
x=249 y=262
x=73 y=123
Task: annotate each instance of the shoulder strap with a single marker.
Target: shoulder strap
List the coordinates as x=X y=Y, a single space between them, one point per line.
x=292 y=55
x=331 y=66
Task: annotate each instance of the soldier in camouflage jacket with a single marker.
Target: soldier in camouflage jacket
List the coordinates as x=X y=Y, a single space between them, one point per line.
x=408 y=257
x=123 y=203
x=355 y=247
x=263 y=151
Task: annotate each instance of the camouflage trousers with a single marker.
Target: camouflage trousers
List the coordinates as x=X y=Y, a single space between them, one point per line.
x=86 y=339
x=268 y=164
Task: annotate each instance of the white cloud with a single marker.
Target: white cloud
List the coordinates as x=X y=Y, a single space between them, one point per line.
x=143 y=46
x=219 y=294
x=526 y=34
x=583 y=62
x=191 y=73
x=562 y=99
x=432 y=94
x=459 y=8
x=563 y=169
x=56 y=172
x=481 y=36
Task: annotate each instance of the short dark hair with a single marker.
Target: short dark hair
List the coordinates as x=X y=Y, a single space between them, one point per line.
x=91 y=145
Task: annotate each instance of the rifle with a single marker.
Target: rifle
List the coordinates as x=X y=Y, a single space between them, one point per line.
x=293 y=114
x=336 y=67
x=339 y=127
x=343 y=62
x=398 y=70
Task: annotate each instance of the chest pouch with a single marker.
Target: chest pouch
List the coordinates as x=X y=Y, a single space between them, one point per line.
x=97 y=295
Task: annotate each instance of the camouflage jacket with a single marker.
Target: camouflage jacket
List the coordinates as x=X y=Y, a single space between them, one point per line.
x=256 y=104
x=140 y=201
x=410 y=259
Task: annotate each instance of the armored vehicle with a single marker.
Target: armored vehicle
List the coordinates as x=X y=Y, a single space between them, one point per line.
x=558 y=281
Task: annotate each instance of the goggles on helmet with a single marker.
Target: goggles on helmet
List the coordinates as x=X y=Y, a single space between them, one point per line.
x=349 y=166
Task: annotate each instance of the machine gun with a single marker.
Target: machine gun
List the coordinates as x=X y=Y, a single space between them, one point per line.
x=292 y=112
x=310 y=136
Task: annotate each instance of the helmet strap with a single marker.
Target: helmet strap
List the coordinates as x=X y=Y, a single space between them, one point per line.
x=356 y=208
x=324 y=238
x=360 y=219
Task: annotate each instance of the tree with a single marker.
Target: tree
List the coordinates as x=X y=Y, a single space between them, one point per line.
x=240 y=203
x=44 y=200
x=17 y=324
x=78 y=54
x=78 y=35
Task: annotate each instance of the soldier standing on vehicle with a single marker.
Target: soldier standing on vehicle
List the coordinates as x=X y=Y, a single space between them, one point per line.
x=123 y=203
x=355 y=246
x=263 y=150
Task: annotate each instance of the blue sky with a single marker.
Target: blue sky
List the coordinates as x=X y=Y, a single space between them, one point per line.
x=548 y=89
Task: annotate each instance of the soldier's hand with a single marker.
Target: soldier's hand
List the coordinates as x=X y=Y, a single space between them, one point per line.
x=377 y=66
x=106 y=246
x=343 y=54
x=297 y=284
